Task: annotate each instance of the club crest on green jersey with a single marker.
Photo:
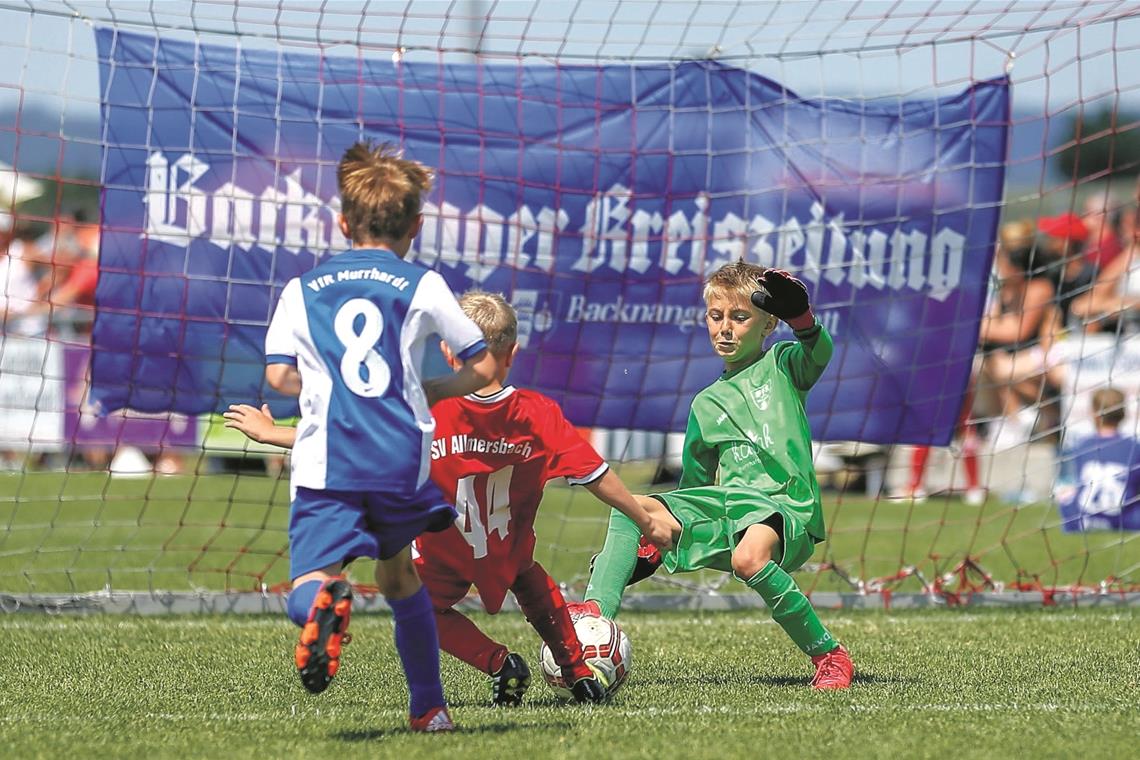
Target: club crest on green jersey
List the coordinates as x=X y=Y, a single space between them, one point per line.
x=763 y=396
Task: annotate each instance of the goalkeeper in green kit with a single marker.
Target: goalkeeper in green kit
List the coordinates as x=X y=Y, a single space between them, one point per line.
x=748 y=501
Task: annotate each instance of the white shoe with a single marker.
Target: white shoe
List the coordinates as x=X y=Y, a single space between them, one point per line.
x=918 y=496
x=1012 y=432
x=975 y=497
x=1027 y=417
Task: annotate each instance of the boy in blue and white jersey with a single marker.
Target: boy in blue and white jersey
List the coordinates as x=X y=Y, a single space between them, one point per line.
x=348 y=339
x=1099 y=488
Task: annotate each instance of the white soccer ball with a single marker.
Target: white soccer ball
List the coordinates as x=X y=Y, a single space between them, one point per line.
x=608 y=653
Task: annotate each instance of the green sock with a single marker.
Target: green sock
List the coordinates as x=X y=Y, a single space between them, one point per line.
x=792 y=610
x=614 y=566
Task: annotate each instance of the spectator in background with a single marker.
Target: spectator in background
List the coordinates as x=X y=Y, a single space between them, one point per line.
x=68 y=292
x=1063 y=245
x=967 y=447
x=1015 y=335
x=1103 y=243
x=1113 y=303
x=65 y=303
x=17 y=318
x=19 y=313
x=1099 y=487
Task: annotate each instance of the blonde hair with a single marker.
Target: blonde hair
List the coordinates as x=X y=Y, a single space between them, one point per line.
x=495 y=317
x=738 y=278
x=380 y=193
x=1108 y=406
x=1020 y=234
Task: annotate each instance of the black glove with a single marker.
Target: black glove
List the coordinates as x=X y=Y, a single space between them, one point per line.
x=783 y=296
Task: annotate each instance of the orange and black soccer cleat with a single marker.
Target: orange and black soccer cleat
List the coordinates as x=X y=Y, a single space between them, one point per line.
x=833 y=670
x=435 y=720
x=318 y=651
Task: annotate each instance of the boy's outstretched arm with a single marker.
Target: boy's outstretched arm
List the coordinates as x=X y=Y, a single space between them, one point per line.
x=649 y=515
x=259 y=425
x=783 y=296
x=477 y=372
x=632 y=516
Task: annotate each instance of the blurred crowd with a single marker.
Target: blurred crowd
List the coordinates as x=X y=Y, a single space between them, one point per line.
x=48 y=276
x=48 y=272
x=1055 y=279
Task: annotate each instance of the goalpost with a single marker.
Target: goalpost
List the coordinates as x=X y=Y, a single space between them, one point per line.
x=595 y=161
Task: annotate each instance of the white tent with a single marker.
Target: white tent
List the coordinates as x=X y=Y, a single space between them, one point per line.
x=16 y=187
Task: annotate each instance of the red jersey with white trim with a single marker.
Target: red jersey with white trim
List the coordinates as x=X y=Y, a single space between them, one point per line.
x=493 y=456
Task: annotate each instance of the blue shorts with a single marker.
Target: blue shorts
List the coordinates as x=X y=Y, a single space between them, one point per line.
x=326 y=527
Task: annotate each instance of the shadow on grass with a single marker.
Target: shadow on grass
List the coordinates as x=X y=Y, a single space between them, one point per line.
x=538 y=701
x=861 y=679
x=372 y=734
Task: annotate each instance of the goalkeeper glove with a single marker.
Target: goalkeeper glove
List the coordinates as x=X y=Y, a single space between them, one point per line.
x=783 y=296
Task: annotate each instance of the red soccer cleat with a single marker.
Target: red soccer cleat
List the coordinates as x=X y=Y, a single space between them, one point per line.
x=648 y=560
x=578 y=609
x=318 y=651
x=434 y=721
x=833 y=670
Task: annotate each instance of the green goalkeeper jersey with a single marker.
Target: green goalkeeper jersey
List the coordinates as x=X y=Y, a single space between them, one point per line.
x=749 y=430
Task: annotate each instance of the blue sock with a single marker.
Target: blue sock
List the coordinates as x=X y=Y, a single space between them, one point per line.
x=301 y=601
x=417 y=643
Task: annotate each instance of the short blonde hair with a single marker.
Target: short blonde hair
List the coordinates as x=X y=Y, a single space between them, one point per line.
x=738 y=278
x=1108 y=406
x=1020 y=234
x=495 y=317
x=381 y=194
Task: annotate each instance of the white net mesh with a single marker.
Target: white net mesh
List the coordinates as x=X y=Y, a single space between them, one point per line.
x=165 y=500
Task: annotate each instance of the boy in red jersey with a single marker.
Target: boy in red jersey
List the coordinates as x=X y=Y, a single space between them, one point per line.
x=493 y=453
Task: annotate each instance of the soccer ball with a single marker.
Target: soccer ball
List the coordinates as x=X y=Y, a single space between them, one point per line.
x=607 y=650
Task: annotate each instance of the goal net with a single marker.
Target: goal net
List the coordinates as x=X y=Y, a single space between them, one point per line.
x=168 y=167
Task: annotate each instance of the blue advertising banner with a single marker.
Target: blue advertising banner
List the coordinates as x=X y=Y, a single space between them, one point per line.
x=596 y=198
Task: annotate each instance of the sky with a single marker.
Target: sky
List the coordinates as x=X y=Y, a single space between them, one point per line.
x=1080 y=51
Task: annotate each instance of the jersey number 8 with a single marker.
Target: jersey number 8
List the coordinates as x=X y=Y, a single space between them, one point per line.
x=364 y=371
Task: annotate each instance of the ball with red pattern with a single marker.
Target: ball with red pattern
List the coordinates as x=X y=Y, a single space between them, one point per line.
x=607 y=651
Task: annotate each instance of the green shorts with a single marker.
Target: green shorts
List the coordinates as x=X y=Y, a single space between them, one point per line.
x=713 y=520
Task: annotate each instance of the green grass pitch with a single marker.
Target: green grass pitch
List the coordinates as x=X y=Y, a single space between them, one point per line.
x=79 y=532
x=997 y=683
x=931 y=683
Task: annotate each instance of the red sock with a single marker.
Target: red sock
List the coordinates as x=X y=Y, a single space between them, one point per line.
x=462 y=639
x=918 y=466
x=545 y=609
x=970 y=459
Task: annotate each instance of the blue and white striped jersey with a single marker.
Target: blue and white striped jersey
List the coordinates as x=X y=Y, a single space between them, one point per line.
x=355 y=326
